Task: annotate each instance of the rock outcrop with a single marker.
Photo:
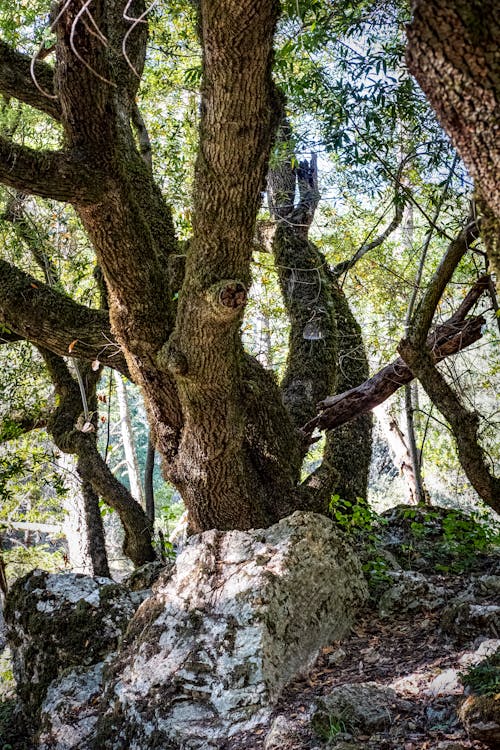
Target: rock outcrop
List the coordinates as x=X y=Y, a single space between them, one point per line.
x=59 y=621
x=243 y=612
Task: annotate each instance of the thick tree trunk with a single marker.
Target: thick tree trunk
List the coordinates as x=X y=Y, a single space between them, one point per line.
x=453 y=53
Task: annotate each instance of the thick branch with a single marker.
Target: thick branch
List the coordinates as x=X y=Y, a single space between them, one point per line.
x=14 y=424
x=46 y=317
x=453 y=53
x=16 y=81
x=445 y=341
x=59 y=175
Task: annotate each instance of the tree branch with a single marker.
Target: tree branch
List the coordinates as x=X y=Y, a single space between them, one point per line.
x=58 y=175
x=15 y=425
x=445 y=341
x=16 y=81
x=464 y=424
x=70 y=437
x=424 y=313
x=46 y=317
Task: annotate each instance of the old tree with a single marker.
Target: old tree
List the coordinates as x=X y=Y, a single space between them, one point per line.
x=232 y=440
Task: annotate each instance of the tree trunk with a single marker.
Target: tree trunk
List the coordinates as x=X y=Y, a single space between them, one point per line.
x=83 y=526
x=453 y=53
x=128 y=441
x=149 y=496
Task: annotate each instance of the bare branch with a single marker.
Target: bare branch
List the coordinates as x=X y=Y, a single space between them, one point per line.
x=16 y=81
x=422 y=318
x=445 y=341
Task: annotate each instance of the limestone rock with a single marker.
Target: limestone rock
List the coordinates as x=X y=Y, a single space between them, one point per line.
x=464 y=621
x=69 y=712
x=59 y=621
x=145 y=576
x=480 y=715
x=283 y=735
x=208 y=654
x=365 y=707
x=410 y=592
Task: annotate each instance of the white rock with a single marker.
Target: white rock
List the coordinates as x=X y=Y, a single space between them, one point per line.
x=243 y=613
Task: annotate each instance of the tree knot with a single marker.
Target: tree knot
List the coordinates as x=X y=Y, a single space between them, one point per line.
x=228 y=297
x=171 y=358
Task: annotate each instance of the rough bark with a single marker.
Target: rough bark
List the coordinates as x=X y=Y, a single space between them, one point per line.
x=349 y=447
x=44 y=316
x=453 y=53
x=325 y=347
x=16 y=80
x=220 y=434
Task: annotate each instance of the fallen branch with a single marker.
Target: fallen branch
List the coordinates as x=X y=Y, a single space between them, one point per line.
x=337 y=410
x=449 y=338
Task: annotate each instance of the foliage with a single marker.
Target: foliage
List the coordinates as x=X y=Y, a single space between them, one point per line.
x=363 y=525
x=484 y=678
x=452 y=539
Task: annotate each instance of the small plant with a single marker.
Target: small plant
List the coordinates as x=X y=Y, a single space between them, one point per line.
x=352 y=517
x=360 y=521
x=484 y=678
x=328 y=727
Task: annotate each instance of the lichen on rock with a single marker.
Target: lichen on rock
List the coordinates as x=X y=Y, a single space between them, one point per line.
x=56 y=621
x=243 y=612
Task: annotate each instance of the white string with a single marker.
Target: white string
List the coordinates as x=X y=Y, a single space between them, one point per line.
x=35 y=56
x=135 y=23
x=80 y=13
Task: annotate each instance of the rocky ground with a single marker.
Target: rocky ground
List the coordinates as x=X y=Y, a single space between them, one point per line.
x=393 y=683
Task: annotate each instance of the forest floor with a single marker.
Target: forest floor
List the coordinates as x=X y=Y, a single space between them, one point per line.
x=408 y=652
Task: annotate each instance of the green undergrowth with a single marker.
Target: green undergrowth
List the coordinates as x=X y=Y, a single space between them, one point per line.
x=432 y=539
x=484 y=678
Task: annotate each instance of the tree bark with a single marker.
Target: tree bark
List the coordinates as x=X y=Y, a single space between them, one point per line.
x=453 y=53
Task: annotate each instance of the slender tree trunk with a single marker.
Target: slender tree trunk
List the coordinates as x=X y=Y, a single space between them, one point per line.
x=149 y=495
x=421 y=494
x=83 y=526
x=128 y=440
x=400 y=451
